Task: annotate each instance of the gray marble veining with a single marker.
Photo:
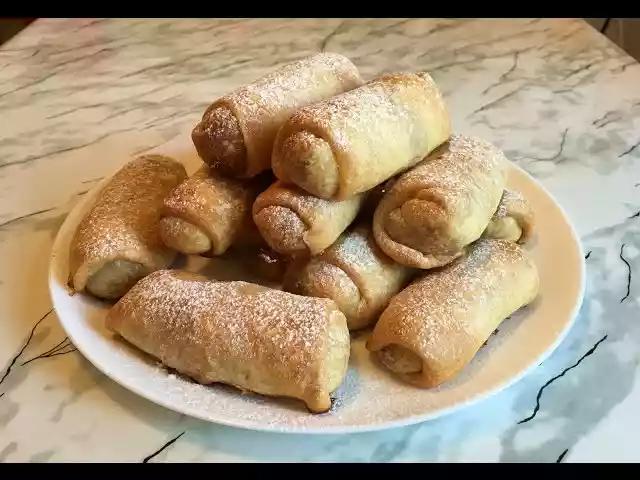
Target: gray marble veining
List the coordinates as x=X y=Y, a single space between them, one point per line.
x=559 y=98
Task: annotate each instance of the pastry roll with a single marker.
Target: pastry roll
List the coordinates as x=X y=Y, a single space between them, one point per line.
x=513 y=220
x=208 y=212
x=354 y=141
x=435 y=326
x=354 y=273
x=237 y=131
x=118 y=241
x=293 y=222
x=253 y=337
x=436 y=209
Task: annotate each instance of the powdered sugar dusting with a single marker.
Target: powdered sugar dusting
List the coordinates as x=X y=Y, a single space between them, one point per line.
x=374 y=131
x=288 y=85
x=126 y=213
x=245 y=312
x=356 y=248
x=442 y=204
x=509 y=197
x=233 y=332
x=282 y=228
x=369 y=398
x=439 y=298
x=260 y=108
x=219 y=205
x=210 y=195
x=299 y=218
x=364 y=111
x=294 y=197
x=366 y=391
x=454 y=167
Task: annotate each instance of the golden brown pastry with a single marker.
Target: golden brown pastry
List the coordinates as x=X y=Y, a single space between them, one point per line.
x=208 y=212
x=237 y=131
x=435 y=326
x=118 y=240
x=354 y=273
x=348 y=144
x=253 y=337
x=293 y=222
x=433 y=211
x=513 y=220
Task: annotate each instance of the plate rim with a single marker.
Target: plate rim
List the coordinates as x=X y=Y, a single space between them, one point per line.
x=54 y=289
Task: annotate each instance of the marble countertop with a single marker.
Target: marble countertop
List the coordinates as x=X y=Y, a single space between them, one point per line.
x=559 y=98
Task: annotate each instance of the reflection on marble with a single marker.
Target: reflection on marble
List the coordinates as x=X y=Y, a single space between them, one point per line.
x=559 y=98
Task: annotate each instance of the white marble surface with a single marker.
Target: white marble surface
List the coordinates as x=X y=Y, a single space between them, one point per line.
x=559 y=98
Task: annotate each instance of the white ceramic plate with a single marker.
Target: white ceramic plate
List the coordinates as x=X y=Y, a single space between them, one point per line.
x=369 y=398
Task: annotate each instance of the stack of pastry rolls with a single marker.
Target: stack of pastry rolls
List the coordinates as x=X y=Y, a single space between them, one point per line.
x=358 y=199
x=256 y=338
x=452 y=217
x=211 y=211
x=433 y=209
x=336 y=157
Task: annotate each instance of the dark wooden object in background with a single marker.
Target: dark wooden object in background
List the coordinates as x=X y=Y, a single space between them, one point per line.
x=624 y=32
x=10 y=26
